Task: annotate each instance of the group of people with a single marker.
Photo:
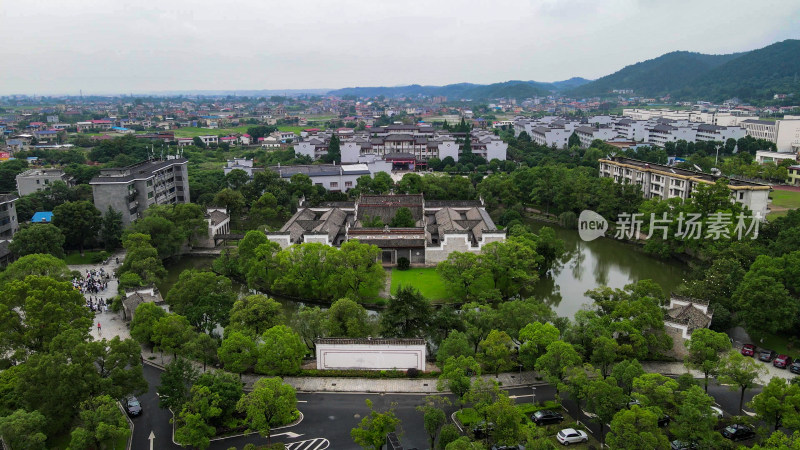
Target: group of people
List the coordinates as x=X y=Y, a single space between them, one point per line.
x=94 y=282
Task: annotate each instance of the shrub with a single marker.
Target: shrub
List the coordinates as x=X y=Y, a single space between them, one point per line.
x=448 y=434
x=412 y=372
x=403 y=263
x=99 y=257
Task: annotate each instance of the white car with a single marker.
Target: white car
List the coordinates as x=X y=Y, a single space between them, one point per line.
x=716 y=412
x=571 y=436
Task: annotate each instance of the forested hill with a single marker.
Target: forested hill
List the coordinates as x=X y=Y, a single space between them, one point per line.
x=756 y=75
x=655 y=77
x=509 y=89
x=753 y=76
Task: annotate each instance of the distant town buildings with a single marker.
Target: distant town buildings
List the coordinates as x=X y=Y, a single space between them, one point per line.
x=334 y=177
x=131 y=190
x=33 y=180
x=664 y=182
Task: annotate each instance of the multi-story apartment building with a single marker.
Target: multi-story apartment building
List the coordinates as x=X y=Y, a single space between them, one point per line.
x=33 y=180
x=708 y=132
x=785 y=133
x=588 y=134
x=761 y=129
x=659 y=181
x=9 y=223
x=131 y=190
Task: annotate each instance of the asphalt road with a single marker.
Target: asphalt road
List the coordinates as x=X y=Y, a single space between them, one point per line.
x=329 y=417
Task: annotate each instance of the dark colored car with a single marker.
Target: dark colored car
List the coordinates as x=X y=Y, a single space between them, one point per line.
x=546 y=417
x=482 y=430
x=795 y=366
x=749 y=350
x=664 y=420
x=679 y=445
x=738 y=432
x=767 y=355
x=782 y=361
x=132 y=405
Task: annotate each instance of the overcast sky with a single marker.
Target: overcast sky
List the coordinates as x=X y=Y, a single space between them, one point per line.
x=121 y=46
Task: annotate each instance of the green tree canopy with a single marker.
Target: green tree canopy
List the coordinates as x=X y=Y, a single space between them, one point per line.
x=38 y=238
x=281 y=352
x=272 y=403
x=79 y=221
x=372 y=430
x=203 y=297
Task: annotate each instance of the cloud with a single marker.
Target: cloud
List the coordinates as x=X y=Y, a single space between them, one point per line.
x=110 y=47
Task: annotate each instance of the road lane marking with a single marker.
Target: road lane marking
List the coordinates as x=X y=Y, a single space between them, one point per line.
x=309 y=444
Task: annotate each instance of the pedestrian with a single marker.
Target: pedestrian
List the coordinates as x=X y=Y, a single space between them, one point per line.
x=98 y=328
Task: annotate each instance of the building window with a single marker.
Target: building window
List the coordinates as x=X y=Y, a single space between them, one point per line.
x=348 y=184
x=334 y=184
x=149 y=195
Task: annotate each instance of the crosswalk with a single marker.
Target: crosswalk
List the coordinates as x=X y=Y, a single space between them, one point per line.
x=310 y=444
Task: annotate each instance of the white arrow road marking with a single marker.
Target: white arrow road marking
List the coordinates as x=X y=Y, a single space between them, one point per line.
x=152 y=438
x=288 y=434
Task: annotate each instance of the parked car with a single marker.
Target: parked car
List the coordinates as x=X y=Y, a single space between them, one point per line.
x=664 y=420
x=680 y=445
x=749 y=350
x=132 y=405
x=782 y=361
x=716 y=412
x=767 y=355
x=571 y=436
x=738 y=432
x=482 y=430
x=546 y=417
x=795 y=366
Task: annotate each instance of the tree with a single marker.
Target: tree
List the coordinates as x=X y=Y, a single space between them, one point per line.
x=454 y=345
x=553 y=364
x=193 y=430
x=359 y=275
x=505 y=417
x=272 y=403
x=604 y=398
x=535 y=338
x=141 y=258
x=197 y=142
x=625 y=372
x=757 y=290
x=447 y=434
x=281 y=352
x=456 y=375
x=705 y=347
x=24 y=430
x=407 y=315
x=233 y=201
x=204 y=298
x=236 y=178
x=37 y=309
x=740 y=372
x=38 y=238
x=494 y=352
x=176 y=382
x=144 y=320
x=656 y=391
x=254 y=314
x=237 y=353
x=311 y=323
x=433 y=416
x=372 y=430
x=347 y=318
x=777 y=403
x=466 y=279
x=605 y=351
x=634 y=429
x=79 y=221
x=403 y=219
x=170 y=333
x=111 y=229
x=37 y=264
x=203 y=347
x=574 y=140
x=226 y=389
x=265 y=208
x=101 y=422
x=695 y=421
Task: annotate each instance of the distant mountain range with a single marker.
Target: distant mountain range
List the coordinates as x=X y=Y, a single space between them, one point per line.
x=508 y=89
x=751 y=76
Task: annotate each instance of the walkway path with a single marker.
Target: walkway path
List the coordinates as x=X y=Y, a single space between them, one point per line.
x=111 y=323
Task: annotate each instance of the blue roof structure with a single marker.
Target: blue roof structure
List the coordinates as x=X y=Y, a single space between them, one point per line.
x=42 y=217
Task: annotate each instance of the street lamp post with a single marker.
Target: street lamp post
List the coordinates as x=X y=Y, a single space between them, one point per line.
x=533 y=397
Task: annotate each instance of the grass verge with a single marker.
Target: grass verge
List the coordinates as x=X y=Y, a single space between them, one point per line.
x=426 y=280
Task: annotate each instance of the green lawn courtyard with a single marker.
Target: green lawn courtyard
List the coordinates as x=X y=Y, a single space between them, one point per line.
x=782 y=202
x=426 y=280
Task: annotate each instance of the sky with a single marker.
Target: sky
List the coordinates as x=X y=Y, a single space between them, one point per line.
x=120 y=47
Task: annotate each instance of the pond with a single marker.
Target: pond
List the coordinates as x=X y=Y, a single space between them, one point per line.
x=602 y=262
x=585 y=266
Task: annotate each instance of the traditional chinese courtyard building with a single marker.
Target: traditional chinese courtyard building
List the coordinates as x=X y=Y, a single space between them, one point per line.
x=440 y=227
